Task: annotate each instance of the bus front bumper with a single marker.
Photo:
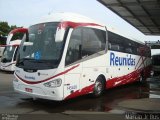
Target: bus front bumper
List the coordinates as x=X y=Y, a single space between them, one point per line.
x=36 y=92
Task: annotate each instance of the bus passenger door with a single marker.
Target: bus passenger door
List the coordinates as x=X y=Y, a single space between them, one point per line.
x=72 y=78
x=73 y=64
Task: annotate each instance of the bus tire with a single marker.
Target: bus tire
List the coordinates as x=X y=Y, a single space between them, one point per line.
x=99 y=87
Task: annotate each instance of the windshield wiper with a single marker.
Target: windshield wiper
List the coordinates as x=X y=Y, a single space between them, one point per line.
x=21 y=61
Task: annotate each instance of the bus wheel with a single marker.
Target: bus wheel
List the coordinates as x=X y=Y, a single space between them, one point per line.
x=99 y=87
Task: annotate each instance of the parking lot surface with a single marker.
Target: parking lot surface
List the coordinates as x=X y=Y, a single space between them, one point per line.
x=115 y=103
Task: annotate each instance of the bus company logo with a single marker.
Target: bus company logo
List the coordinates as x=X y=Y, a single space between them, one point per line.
x=121 y=61
x=29 y=77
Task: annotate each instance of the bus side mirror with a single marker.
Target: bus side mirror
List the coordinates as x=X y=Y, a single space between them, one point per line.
x=59 y=33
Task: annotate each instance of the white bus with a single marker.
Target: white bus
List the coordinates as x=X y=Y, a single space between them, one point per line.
x=8 y=59
x=68 y=55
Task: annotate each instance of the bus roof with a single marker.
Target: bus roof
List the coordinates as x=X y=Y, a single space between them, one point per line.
x=72 y=17
x=66 y=16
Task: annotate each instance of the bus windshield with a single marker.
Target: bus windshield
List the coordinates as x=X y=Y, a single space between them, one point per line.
x=39 y=50
x=8 y=54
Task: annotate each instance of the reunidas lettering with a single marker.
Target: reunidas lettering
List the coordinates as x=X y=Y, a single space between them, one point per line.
x=121 y=61
x=29 y=77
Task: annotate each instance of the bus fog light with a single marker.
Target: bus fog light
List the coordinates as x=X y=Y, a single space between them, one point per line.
x=53 y=83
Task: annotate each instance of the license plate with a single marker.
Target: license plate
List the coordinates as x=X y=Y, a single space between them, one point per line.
x=28 y=90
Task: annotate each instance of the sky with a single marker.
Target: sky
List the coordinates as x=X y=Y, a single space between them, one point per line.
x=26 y=12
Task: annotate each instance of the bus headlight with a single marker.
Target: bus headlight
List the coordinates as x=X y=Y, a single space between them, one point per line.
x=53 y=83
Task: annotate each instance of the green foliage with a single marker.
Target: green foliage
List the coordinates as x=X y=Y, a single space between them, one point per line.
x=13 y=27
x=2 y=40
x=5 y=28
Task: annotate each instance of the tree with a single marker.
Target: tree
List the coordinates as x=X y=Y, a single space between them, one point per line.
x=13 y=27
x=4 y=28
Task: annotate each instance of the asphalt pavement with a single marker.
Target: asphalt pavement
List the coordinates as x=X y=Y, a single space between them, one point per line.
x=134 y=101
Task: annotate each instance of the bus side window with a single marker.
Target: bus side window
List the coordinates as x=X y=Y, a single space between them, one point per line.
x=128 y=50
x=116 y=42
x=74 y=47
x=93 y=41
x=115 y=47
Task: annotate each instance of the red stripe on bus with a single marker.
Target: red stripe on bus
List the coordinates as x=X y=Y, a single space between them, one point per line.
x=122 y=80
x=109 y=84
x=65 y=24
x=20 y=30
x=37 y=82
x=142 y=63
x=113 y=82
x=83 y=91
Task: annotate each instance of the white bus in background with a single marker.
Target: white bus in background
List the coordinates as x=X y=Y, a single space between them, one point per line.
x=16 y=33
x=8 y=59
x=66 y=55
x=10 y=51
